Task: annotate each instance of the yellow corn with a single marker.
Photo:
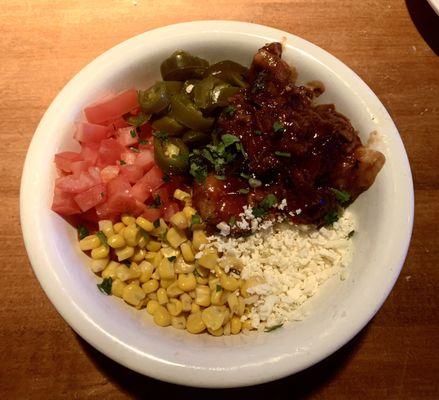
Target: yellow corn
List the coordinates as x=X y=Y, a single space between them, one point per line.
x=138 y=256
x=118 y=227
x=157 y=260
x=175 y=237
x=186 y=282
x=162 y=317
x=143 y=241
x=186 y=302
x=152 y=296
x=209 y=258
x=152 y=306
x=123 y=272
x=216 y=296
x=166 y=269
x=133 y=294
x=153 y=245
x=151 y=286
x=241 y=306
x=195 y=308
x=161 y=229
x=173 y=290
x=181 y=195
x=132 y=234
x=187 y=252
x=232 y=302
x=117 y=288
x=89 y=243
x=99 y=264
x=162 y=297
x=146 y=225
x=106 y=226
x=189 y=212
x=182 y=267
x=155 y=275
x=199 y=238
x=226 y=331
x=213 y=282
x=146 y=270
x=246 y=325
x=124 y=253
x=213 y=317
x=149 y=255
x=178 y=322
x=194 y=323
x=202 y=296
x=174 y=307
x=217 y=332
x=116 y=241
x=128 y=219
x=230 y=283
x=179 y=220
x=165 y=283
x=110 y=270
x=100 y=252
x=235 y=325
x=169 y=252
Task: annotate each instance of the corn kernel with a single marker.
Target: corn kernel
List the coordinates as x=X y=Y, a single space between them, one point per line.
x=146 y=269
x=143 y=241
x=235 y=325
x=146 y=225
x=149 y=255
x=213 y=317
x=189 y=212
x=151 y=286
x=173 y=290
x=128 y=219
x=182 y=267
x=178 y=322
x=166 y=269
x=100 y=252
x=186 y=282
x=116 y=241
x=186 y=302
x=217 y=332
x=246 y=325
x=152 y=306
x=118 y=227
x=230 y=283
x=123 y=273
x=187 y=252
x=226 y=331
x=161 y=316
x=195 y=308
x=89 y=243
x=124 y=253
x=117 y=288
x=179 y=220
x=181 y=195
x=157 y=260
x=233 y=303
x=110 y=270
x=132 y=234
x=169 y=252
x=99 y=265
x=214 y=282
x=241 y=306
x=199 y=238
x=153 y=245
x=106 y=226
x=209 y=258
x=133 y=294
x=202 y=296
x=162 y=297
x=165 y=283
x=155 y=275
x=161 y=229
x=194 y=323
x=152 y=296
x=175 y=237
x=138 y=256
x=174 y=307
x=216 y=296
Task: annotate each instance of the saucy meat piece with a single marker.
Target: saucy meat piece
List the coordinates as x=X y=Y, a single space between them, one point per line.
x=301 y=152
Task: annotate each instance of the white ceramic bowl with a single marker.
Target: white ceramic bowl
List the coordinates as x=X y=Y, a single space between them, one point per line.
x=337 y=313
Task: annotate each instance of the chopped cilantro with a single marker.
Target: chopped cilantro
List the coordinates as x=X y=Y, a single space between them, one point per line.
x=232 y=221
x=220 y=177
x=278 y=127
x=160 y=135
x=156 y=202
x=269 y=201
x=102 y=238
x=342 y=196
x=258 y=133
x=229 y=139
x=122 y=162
x=196 y=273
x=259 y=212
x=133 y=133
x=245 y=176
x=156 y=223
x=82 y=232
x=195 y=219
x=243 y=191
x=172 y=258
x=199 y=172
x=350 y=234
x=254 y=183
x=218 y=288
x=273 y=327
x=330 y=218
x=230 y=110
x=105 y=286
x=282 y=154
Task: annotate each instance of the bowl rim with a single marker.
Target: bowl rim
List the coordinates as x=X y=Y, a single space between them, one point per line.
x=158 y=368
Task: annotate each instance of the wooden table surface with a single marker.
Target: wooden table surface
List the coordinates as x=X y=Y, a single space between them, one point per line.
x=391 y=44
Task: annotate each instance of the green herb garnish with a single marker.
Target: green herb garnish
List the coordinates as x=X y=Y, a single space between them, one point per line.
x=232 y=221
x=220 y=177
x=243 y=191
x=269 y=201
x=341 y=195
x=218 y=288
x=230 y=110
x=82 y=232
x=282 y=154
x=330 y=218
x=273 y=327
x=350 y=234
x=278 y=127
x=245 y=176
x=102 y=238
x=195 y=219
x=133 y=133
x=196 y=273
x=172 y=258
x=105 y=285
x=258 y=133
x=198 y=171
x=156 y=202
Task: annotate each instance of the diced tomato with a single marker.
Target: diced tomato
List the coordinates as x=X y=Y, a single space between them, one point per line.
x=80 y=166
x=145 y=159
x=95 y=174
x=151 y=214
x=125 y=203
x=64 y=204
x=128 y=157
x=169 y=210
x=89 y=152
x=118 y=185
x=109 y=172
x=89 y=133
x=90 y=216
x=110 y=151
x=65 y=159
x=127 y=136
x=112 y=108
x=73 y=184
x=91 y=197
x=117 y=123
x=131 y=172
x=151 y=181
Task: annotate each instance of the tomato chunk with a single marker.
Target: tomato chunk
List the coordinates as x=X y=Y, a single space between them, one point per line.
x=145 y=159
x=131 y=172
x=127 y=136
x=91 y=197
x=110 y=151
x=151 y=214
x=151 y=181
x=65 y=159
x=64 y=204
x=89 y=133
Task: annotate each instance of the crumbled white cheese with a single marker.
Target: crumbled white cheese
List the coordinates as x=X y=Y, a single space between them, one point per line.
x=189 y=88
x=293 y=260
x=282 y=204
x=224 y=228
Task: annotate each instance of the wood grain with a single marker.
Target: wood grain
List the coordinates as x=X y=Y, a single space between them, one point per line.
x=391 y=44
